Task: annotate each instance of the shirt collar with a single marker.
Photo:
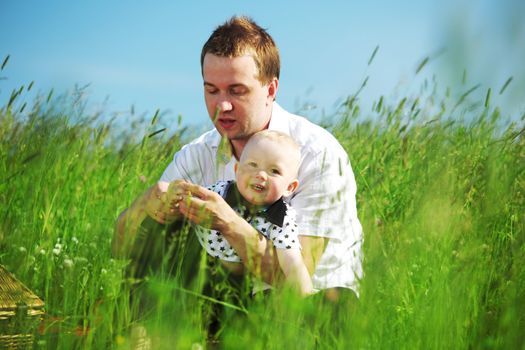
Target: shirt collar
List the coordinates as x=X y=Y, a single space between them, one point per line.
x=279 y=120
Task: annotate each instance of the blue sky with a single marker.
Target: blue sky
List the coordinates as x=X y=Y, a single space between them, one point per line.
x=146 y=54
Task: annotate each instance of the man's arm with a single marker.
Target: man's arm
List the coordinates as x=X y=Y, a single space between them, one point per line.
x=312 y=250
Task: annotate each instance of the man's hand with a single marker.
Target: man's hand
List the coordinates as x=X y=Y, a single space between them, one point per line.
x=204 y=207
x=161 y=204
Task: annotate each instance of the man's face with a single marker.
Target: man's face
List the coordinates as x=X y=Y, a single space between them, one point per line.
x=238 y=104
x=265 y=173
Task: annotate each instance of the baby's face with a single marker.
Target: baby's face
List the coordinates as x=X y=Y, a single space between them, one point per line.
x=265 y=173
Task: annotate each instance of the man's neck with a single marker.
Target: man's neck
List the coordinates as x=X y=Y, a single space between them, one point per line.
x=237 y=147
x=239 y=144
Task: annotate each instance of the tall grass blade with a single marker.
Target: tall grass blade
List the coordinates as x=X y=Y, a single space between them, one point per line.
x=429 y=58
x=464 y=96
x=380 y=104
x=504 y=87
x=487 y=98
x=213 y=300
x=31 y=157
x=50 y=95
x=373 y=55
x=154 y=119
x=156 y=132
x=422 y=64
x=6 y=59
x=12 y=98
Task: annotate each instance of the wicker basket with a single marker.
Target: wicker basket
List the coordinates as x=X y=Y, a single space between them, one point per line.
x=20 y=312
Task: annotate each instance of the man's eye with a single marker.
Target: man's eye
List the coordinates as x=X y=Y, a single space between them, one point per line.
x=238 y=91
x=211 y=90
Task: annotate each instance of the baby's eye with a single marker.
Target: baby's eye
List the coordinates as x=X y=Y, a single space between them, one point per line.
x=252 y=164
x=275 y=171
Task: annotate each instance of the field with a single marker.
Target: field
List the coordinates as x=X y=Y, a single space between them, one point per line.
x=441 y=197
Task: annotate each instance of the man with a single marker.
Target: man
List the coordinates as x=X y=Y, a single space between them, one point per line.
x=240 y=68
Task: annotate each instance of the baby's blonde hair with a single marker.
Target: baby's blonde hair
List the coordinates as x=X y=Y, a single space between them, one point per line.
x=293 y=151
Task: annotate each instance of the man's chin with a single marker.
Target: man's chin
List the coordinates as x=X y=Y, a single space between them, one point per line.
x=230 y=135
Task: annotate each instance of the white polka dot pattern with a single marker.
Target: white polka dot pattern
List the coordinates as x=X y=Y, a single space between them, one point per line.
x=282 y=237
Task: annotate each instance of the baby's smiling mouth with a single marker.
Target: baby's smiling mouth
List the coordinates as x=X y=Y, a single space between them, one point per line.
x=257 y=187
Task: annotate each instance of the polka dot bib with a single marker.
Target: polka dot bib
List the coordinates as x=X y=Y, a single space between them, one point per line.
x=275 y=222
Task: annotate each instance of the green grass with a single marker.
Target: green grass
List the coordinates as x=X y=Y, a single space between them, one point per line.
x=441 y=197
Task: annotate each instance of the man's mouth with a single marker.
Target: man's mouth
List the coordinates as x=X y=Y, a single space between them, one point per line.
x=226 y=123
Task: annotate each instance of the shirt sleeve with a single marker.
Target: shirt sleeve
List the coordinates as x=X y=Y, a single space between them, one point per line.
x=187 y=164
x=325 y=199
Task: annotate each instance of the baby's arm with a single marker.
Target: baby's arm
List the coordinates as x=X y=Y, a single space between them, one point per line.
x=234 y=267
x=292 y=264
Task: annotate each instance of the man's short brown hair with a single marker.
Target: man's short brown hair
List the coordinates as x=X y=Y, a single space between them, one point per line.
x=240 y=36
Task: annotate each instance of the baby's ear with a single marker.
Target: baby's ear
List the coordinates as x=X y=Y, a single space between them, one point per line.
x=235 y=166
x=291 y=187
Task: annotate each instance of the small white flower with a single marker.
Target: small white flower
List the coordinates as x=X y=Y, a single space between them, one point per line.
x=68 y=263
x=42 y=252
x=22 y=249
x=103 y=271
x=74 y=240
x=56 y=251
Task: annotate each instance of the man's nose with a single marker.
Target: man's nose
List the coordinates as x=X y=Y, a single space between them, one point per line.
x=224 y=105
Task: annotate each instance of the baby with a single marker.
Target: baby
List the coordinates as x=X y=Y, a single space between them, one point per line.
x=265 y=173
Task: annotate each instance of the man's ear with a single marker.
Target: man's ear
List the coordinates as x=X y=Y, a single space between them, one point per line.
x=291 y=187
x=272 y=89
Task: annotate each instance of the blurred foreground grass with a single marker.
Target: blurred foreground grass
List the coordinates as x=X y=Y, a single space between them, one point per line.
x=441 y=196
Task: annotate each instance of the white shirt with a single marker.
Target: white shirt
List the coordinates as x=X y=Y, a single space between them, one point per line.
x=324 y=201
